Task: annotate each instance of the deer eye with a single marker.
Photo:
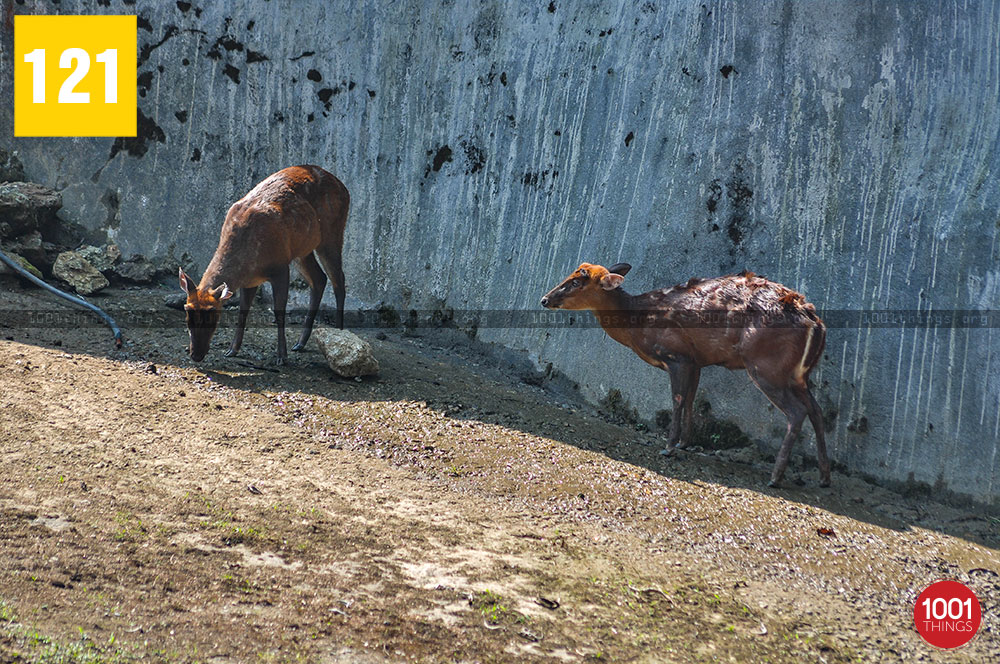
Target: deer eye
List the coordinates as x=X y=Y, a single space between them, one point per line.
x=576 y=283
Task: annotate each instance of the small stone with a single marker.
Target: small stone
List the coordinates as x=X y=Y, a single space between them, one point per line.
x=28 y=243
x=78 y=273
x=744 y=455
x=137 y=268
x=102 y=258
x=347 y=354
x=33 y=248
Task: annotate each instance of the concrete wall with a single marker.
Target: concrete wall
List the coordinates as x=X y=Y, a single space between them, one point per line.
x=847 y=149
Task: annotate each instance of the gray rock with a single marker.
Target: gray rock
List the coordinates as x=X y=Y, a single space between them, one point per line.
x=22 y=261
x=28 y=246
x=102 y=258
x=25 y=206
x=178 y=300
x=38 y=251
x=68 y=234
x=137 y=268
x=745 y=455
x=11 y=169
x=78 y=273
x=347 y=354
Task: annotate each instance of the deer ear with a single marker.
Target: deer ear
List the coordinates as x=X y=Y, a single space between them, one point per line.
x=223 y=292
x=611 y=281
x=187 y=285
x=620 y=268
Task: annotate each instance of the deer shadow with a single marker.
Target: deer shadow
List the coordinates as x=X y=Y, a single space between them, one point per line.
x=468 y=380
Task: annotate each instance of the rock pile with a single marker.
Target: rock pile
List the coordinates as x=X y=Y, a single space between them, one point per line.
x=32 y=234
x=27 y=218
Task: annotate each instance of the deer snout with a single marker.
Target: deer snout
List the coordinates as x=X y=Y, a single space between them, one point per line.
x=552 y=300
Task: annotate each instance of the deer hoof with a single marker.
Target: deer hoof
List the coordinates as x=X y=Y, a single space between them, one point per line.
x=667 y=451
x=298 y=347
x=774 y=484
x=825 y=483
x=230 y=353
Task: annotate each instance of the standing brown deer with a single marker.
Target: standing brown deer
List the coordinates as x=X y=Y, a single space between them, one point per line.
x=297 y=214
x=738 y=321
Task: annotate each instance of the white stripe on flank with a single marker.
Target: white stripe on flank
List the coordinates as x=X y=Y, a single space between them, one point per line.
x=801 y=369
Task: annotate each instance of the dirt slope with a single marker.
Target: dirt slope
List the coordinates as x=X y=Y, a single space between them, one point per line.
x=231 y=512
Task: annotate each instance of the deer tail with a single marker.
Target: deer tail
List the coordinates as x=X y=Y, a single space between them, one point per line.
x=815 y=352
x=814 y=344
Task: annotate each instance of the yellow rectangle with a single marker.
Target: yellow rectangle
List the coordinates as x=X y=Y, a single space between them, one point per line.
x=74 y=76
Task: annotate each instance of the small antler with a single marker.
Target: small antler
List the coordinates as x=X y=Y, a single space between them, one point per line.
x=222 y=292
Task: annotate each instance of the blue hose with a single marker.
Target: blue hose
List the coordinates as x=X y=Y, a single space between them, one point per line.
x=75 y=300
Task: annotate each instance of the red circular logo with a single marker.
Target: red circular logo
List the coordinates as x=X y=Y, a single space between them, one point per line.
x=947 y=614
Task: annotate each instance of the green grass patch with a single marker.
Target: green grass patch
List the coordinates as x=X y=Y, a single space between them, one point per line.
x=129 y=528
x=21 y=644
x=226 y=524
x=490 y=604
x=245 y=586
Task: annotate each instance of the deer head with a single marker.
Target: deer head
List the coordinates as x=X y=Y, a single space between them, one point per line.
x=587 y=287
x=203 y=310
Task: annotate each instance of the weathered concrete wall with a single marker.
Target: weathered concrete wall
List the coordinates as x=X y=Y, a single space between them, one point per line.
x=847 y=149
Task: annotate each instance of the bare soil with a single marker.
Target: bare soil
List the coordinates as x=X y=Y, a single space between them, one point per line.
x=156 y=510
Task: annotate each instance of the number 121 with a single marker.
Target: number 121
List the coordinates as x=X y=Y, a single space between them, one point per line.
x=66 y=93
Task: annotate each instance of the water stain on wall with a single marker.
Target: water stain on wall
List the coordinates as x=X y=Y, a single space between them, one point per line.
x=840 y=148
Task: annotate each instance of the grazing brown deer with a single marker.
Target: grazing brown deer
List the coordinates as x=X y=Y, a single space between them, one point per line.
x=297 y=214
x=738 y=321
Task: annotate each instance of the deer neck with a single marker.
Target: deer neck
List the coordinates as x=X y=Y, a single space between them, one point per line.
x=222 y=271
x=614 y=310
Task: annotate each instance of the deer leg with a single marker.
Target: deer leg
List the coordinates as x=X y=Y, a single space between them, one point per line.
x=312 y=273
x=816 y=417
x=340 y=292
x=246 y=299
x=332 y=262
x=795 y=410
x=682 y=376
x=694 y=374
x=279 y=290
